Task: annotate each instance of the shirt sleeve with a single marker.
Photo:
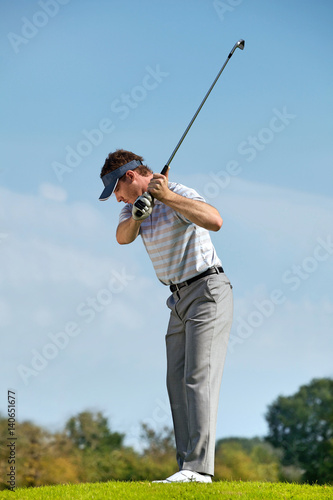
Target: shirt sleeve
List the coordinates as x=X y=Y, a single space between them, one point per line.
x=125 y=213
x=187 y=193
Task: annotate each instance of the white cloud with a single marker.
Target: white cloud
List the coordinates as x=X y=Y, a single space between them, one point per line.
x=53 y=192
x=5 y=313
x=43 y=317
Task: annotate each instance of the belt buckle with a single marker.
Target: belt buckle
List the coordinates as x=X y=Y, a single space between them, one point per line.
x=217 y=269
x=179 y=286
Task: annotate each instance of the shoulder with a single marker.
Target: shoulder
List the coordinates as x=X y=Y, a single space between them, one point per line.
x=185 y=191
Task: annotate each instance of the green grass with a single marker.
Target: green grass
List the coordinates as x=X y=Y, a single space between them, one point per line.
x=225 y=490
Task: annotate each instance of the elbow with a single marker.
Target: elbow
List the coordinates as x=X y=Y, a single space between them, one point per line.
x=122 y=242
x=217 y=224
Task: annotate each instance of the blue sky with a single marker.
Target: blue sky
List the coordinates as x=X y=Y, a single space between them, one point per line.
x=83 y=319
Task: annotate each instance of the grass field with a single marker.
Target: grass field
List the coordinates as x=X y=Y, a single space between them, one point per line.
x=232 y=490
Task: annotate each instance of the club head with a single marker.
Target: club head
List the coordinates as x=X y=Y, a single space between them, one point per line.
x=240 y=44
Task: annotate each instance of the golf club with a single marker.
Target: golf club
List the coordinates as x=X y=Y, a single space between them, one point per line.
x=240 y=44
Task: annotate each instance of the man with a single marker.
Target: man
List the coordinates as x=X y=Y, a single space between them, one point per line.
x=174 y=221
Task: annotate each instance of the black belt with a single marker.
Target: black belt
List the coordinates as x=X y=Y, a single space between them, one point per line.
x=211 y=270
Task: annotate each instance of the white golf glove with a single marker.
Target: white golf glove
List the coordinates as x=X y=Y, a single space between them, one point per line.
x=142 y=207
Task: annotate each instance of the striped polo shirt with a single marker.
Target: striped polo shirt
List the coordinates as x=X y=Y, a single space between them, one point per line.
x=178 y=248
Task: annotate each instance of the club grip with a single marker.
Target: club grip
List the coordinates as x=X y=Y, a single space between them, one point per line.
x=165 y=169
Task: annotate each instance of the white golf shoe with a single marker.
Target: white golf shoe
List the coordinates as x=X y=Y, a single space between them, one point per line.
x=186 y=476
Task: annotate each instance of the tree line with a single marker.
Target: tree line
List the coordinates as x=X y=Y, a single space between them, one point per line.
x=297 y=448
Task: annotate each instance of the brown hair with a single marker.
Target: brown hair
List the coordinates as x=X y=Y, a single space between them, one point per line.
x=121 y=157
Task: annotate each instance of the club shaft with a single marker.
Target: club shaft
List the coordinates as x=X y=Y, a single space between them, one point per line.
x=165 y=168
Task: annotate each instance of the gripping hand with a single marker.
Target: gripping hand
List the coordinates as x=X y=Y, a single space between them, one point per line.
x=142 y=207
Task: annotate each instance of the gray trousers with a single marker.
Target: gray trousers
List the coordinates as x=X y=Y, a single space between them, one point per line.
x=196 y=344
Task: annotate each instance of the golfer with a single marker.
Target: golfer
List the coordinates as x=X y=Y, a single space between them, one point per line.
x=174 y=223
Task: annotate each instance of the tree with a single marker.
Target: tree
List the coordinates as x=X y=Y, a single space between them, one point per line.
x=246 y=459
x=91 y=431
x=42 y=457
x=302 y=426
x=158 y=459
x=99 y=453
x=158 y=443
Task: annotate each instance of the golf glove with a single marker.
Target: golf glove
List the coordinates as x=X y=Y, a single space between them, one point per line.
x=142 y=207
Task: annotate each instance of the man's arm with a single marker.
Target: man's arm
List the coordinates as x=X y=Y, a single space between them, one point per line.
x=127 y=231
x=196 y=211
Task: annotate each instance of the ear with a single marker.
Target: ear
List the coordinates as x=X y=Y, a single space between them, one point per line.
x=130 y=175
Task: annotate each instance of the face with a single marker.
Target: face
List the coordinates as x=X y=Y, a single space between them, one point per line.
x=130 y=186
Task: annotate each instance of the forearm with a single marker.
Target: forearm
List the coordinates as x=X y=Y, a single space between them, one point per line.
x=198 y=212
x=127 y=231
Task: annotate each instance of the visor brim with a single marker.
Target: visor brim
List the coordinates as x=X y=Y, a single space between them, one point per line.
x=111 y=179
x=108 y=191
